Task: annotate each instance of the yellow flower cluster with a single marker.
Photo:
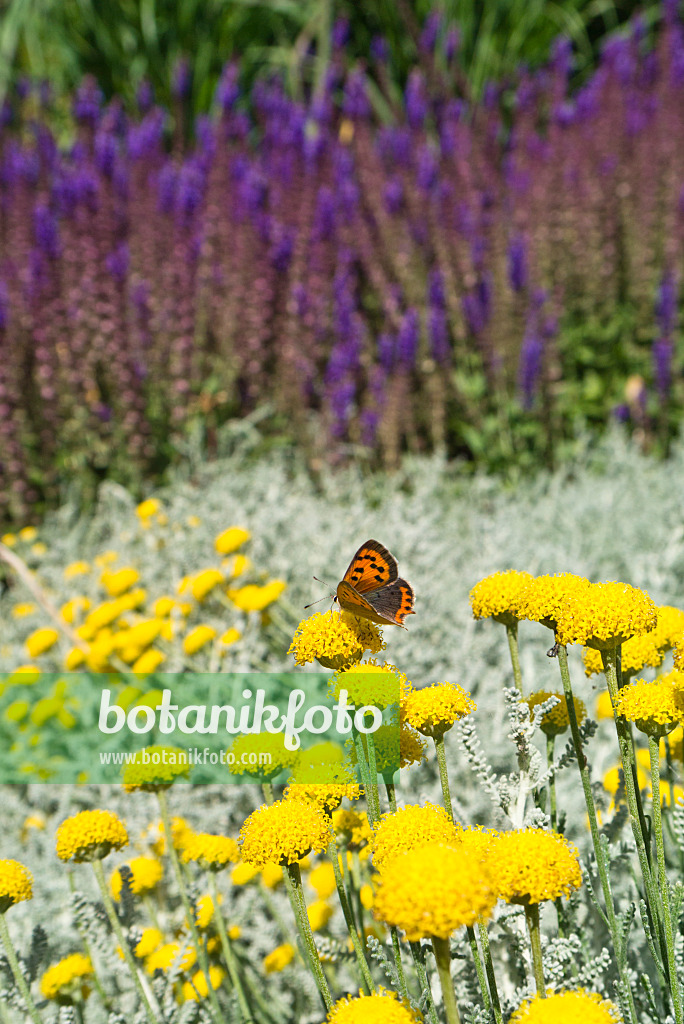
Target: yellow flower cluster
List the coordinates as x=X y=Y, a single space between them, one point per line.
x=545 y=597
x=210 y=852
x=555 y=721
x=578 y=1007
x=655 y=707
x=16 y=884
x=334 y=639
x=324 y=785
x=433 y=890
x=434 y=709
x=380 y=1007
x=283 y=833
x=146 y=873
x=90 y=835
x=380 y=685
x=646 y=650
x=409 y=827
x=262 y=753
x=197 y=987
x=155 y=768
x=353 y=826
x=279 y=958
x=532 y=865
x=66 y=977
x=604 y=615
x=498 y=596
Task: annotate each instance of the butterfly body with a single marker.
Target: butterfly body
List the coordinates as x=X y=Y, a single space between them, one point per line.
x=372 y=588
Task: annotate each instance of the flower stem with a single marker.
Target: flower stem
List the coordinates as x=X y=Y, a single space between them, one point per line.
x=442 y=953
x=532 y=919
x=294 y=876
x=553 y=811
x=444 y=775
x=396 y=947
x=228 y=954
x=654 y=750
x=145 y=997
x=17 y=972
x=417 y=953
x=489 y=967
x=512 y=636
x=391 y=795
x=373 y=775
x=189 y=909
x=479 y=969
x=349 y=919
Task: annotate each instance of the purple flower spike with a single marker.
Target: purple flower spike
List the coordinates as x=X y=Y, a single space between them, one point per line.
x=452 y=44
x=181 y=82
x=662 y=366
x=379 y=49
x=436 y=295
x=529 y=367
x=340 y=34
x=88 y=101
x=228 y=90
x=117 y=262
x=407 y=339
x=517 y=263
x=427 y=168
x=438 y=331
x=428 y=37
x=666 y=304
x=144 y=96
x=46 y=231
x=387 y=348
x=355 y=102
x=416 y=100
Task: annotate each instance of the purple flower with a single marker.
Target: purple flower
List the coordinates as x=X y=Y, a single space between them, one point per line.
x=227 y=89
x=282 y=244
x=621 y=413
x=166 y=187
x=370 y=420
x=181 y=81
x=144 y=96
x=387 y=347
x=427 y=168
x=379 y=49
x=561 y=56
x=106 y=148
x=517 y=263
x=355 y=101
x=45 y=231
x=117 y=262
x=87 y=101
x=530 y=364
x=407 y=338
x=666 y=304
x=339 y=36
x=452 y=44
x=146 y=137
x=4 y=306
x=436 y=296
x=662 y=366
x=428 y=36
x=324 y=217
x=416 y=100
x=438 y=331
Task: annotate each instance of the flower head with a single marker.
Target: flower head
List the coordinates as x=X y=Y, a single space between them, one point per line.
x=155 y=768
x=145 y=874
x=261 y=753
x=197 y=988
x=211 y=852
x=41 y=640
x=379 y=685
x=252 y=598
x=409 y=827
x=16 y=884
x=434 y=709
x=283 y=833
x=544 y=598
x=380 y=1007
x=117 y=582
x=555 y=721
x=433 y=890
x=353 y=826
x=198 y=638
x=279 y=958
x=324 y=785
x=531 y=865
x=335 y=639
x=231 y=539
x=90 y=835
x=604 y=615
x=64 y=980
x=169 y=955
x=498 y=596
x=580 y=1007
x=655 y=707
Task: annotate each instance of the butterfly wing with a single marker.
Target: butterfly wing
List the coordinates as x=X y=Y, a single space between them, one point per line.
x=394 y=602
x=355 y=603
x=371 y=567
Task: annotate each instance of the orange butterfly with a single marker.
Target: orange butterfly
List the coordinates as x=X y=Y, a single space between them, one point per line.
x=372 y=589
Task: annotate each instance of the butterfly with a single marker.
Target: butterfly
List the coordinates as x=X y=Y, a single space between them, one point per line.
x=372 y=588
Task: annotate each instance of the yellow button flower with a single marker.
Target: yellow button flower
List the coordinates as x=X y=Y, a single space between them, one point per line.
x=204 y=582
x=409 y=827
x=145 y=874
x=211 y=852
x=319 y=913
x=148 y=508
x=90 y=835
x=118 y=582
x=170 y=954
x=283 y=833
x=76 y=569
x=334 y=639
x=231 y=539
x=322 y=880
x=498 y=596
x=16 y=884
x=655 y=707
x=252 y=598
x=381 y=1007
x=28 y=534
x=41 y=640
x=604 y=615
x=580 y=1007
x=555 y=721
x=532 y=865
x=230 y=637
x=23 y=610
x=66 y=978
x=434 y=709
x=198 y=988
x=279 y=958
x=198 y=638
x=261 y=753
x=155 y=767
x=149 y=661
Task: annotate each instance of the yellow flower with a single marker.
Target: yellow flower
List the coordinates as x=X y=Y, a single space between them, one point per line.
x=25 y=675
x=197 y=638
x=604 y=705
x=193 y=522
x=167 y=955
x=150 y=940
x=379 y=685
x=324 y=785
x=204 y=582
x=353 y=826
x=531 y=865
x=498 y=596
x=9 y=540
x=41 y=640
x=181 y=834
x=211 y=852
x=477 y=840
x=580 y=1007
x=105 y=559
x=243 y=874
x=198 y=988
x=604 y=615
x=434 y=709
x=28 y=534
x=149 y=661
x=140 y=635
x=76 y=569
x=556 y=721
x=654 y=707
x=32 y=821
x=230 y=637
x=147 y=509
x=236 y=566
x=231 y=539
x=433 y=890
x=204 y=912
x=145 y=874
x=322 y=880
x=319 y=913
x=644 y=650
x=279 y=958
x=283 y=833
x=74 y=659
x=409 y=827
x=163 y=606
x=71 y=609
x=39 y=549
x=155 y=768
x=90 y=835
x=118 y=582
x=64 y=980
x=613 y=779
x=252 y=598
x=545 y=597
x=261 y=753
x=16 y=884
x=22 y=610
x=272 y=875
x=381 y=1007
x=335 y=639
x=366 y=896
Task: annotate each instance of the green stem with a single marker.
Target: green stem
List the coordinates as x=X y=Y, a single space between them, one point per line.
x=365 y=774
x=396 y=947
x=349 y=919
x=532 y=919
x=512 y=635
x=299 y=906
x=267 y=790
x=489 y=966
x=17 y=972
x=228 y=954
x=444 y=775
x=190 y=910
x=479 y=969
x=653 y=747
x=442 y=953
x=391 y=796
x=152 y=1014
x=373 y=775
x=553 y=811
x=419 y=962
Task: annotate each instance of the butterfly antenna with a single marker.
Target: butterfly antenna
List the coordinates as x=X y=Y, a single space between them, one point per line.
x=320 y=598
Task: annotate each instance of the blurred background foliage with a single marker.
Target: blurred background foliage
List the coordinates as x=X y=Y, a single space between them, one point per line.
x=180 y=46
